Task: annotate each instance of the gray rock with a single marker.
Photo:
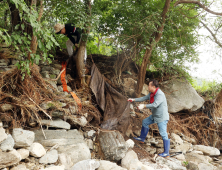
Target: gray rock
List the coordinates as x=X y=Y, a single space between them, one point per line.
x=56 y=123
x=181 y=96
x=6 y=107
x=14 y=61
x=50 y=157
x=208 y=150
x=69 y=155
x=60 y=137
x=55 y=71
x=8 y=144
x=57 y=66
x=59 y=82
x=176 y=138
x=91 y=133
x=172 y=163
x=3 y=64
x=46 y=68
x=57 y=114
x=197 y=158
x=4 y=61
x=37 y=150
x=113 y=145
x=24 y=153
x=60 y=88
x=9 y=158
x=45 y=74
x=130 y=155
x=3 y=135
x=23 y=138
x=107 y=165
x=47 y=105
x=77 y=120
x=183 y=147
x=89 y=164
x=52 y=83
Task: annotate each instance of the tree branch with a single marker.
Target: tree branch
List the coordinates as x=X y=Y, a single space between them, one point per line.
x=213 y=35
x=199 y=4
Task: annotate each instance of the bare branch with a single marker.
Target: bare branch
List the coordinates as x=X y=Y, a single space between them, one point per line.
x=213 y=35
x=199 y=4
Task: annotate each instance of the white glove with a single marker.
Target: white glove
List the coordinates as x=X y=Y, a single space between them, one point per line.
x=141 y=106
x=131 y=100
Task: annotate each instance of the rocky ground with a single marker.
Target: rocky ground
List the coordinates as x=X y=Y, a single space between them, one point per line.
x=70 y=142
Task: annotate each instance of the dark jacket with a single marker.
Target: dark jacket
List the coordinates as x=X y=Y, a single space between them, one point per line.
x=71 y=31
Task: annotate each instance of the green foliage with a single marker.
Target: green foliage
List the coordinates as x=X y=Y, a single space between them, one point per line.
x=185 y=163
x=207 y=89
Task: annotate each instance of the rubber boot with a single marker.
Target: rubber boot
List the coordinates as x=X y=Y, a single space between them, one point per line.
x=143 y=134
x=166 y=145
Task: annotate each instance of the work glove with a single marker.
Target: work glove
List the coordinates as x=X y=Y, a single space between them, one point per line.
x=131 y=100
x=141 y=106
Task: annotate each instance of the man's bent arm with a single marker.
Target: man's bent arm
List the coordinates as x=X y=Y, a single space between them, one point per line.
x=141 y=99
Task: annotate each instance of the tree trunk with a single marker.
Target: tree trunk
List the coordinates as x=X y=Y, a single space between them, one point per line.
x=82 y=48
x=153 y=41
x=15 y=18
x=34 y=43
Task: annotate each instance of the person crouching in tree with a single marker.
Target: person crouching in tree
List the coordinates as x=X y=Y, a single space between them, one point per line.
x=74 y=35
x=160 y=115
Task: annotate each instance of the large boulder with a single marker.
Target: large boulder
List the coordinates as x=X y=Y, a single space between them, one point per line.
x=207 y=150
x=107 y=165
x=23 y=138
x=181 y=96
x=69 y=155
x=9 y=158
x=50 y=157
x=172 y=163
x=112 y=145
x=89 y=164
x=59 y=137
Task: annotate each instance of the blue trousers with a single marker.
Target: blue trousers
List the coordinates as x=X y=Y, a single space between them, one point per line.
x=162 y=126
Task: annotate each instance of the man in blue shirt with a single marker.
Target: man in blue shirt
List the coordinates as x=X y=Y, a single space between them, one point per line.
x=160 y=115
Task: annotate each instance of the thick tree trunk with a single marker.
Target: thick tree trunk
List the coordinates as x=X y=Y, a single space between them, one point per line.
x=34 y=43
x=82 y=48
x=153 y=41
x=15 y=18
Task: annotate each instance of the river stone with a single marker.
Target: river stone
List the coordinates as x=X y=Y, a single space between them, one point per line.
x=50 y=157
x=197 y=158
x=112 y=145
x=183 y=147
x=23 y=138
x=208 y=150
x=57 y=66
x=59 y=137
x=19 y=167
x=59 y=123
x=176 y=138
x=3 y=135
x=129 y=143
x=24 y=153
x=82 y=121
x=45 y=74
x=130 y=155
x=181 y=95
x=69 y=155
x=89 y=164
x=6 y=107
x=107 y=165
x=8 y=144
x=55 y=168
x=9 y=158
x=37 y=150
x=172 y=163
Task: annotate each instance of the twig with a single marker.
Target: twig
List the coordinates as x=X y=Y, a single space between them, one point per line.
x=58 y=75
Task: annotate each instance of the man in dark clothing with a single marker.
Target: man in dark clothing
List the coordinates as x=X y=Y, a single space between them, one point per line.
x=72 y=33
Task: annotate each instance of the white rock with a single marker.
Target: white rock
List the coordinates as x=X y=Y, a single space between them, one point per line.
x=180 y=157
x=176 y=138
x=55 y=168
x=19 y=167
x=208 y=150
x=1 y=124
x=130 y=143
x=89 y=164
x=24 y=153
x=50 y=157
x=3 y=135
x=91 y=133
x=130 y=155
x=37 y=150
x=89 y=143
x=23 y=138
x=204 y=166
x=172 y=163
x=197 y=152
x=56 y=123
x=9 y=158
x=6 y=107
x=8 y=144
x=183 y=147
x=69 y=155
x=107 y=165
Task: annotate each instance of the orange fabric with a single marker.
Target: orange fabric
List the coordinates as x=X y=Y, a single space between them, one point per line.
x=63 y=75
x=78 y=101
